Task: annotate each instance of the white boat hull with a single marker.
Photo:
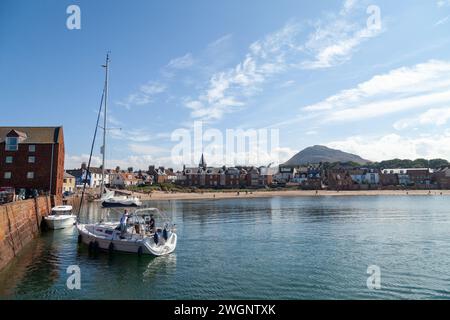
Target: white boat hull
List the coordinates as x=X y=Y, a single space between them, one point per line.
x=136 y=244
x=60 y=221
x=121 y=202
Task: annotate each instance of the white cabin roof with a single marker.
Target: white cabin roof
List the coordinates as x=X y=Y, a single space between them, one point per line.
x=62 y=208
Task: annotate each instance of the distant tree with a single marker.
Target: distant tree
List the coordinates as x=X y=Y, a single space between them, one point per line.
x=405 y=163
x=130 y=169
x=117 y=169
x=438 y=163
x=420 y=163
x=395 y=164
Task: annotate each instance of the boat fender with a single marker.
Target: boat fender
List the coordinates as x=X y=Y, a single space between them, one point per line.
x=165 y=234
x=79 y=238
x=156 y=238
x=111 y=247
x=140 y=251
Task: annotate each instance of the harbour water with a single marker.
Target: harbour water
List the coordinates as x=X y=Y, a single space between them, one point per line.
x=274 y=248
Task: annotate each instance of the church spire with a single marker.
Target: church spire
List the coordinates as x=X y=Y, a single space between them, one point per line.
x=202 y=163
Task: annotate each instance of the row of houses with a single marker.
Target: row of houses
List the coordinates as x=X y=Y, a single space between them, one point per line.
x=201 y=176
x=316 y=177
x=112 y=178
x=308 y=177
x=224 y=177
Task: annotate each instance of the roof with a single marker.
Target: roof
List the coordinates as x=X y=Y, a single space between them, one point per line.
x=96 y=170
x=68 y=175
x=36 y=135
x=128 y=176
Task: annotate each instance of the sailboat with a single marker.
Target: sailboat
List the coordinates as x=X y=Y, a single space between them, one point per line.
x=146 y=231
x=135 y=235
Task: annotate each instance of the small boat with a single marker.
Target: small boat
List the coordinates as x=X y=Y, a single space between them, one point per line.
x=121 y=201
x=137 y=237
x=61 y=217
x=110 y=200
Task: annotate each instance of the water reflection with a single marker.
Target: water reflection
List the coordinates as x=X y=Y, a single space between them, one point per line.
x=39 y=264
x=160 y=265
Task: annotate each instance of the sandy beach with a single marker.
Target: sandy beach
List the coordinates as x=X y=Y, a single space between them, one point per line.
x=160 y=195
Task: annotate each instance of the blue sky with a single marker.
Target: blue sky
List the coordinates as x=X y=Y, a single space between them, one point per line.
x=316 y=71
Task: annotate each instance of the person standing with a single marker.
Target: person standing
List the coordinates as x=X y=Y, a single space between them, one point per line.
x=152 y=223
x=123 y=222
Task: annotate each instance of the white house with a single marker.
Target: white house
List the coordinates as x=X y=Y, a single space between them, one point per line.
x=94 y=179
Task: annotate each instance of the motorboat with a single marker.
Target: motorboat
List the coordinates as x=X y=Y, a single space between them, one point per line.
x=135 y=236
x=110 y=200
x=61 y=217
x=121 y=201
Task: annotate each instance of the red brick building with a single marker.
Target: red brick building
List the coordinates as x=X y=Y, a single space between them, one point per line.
x=32 y=158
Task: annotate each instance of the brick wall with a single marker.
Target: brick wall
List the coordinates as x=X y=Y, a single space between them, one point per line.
x=19 y=224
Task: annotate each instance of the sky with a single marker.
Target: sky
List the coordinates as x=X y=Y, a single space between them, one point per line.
x=367 y=77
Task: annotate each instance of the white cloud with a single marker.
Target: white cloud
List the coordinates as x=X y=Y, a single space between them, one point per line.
x=75 y=161
x=423 y=85
x=136 y=161
x=338 y=51
x=348 y=5
x=145 y=95
x=152 y=88
x=287 y=84
x=432 y=117
x=392 y=146
x=218 y=43
x=311 y=132
x=145 y=149
x=133 y=135
x=183 y=62
x=335 y=39
x=332 y=42
x=443 y=3
x=227 y=89
x=442 y=21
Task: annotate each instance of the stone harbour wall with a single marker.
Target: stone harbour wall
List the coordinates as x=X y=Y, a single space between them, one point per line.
x=20 y=223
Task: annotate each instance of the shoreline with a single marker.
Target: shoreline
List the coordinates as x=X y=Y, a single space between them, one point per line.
x=161 y=195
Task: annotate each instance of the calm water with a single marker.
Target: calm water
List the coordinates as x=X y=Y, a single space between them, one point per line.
x=278 y=248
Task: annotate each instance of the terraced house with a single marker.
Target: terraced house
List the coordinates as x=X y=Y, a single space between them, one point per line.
x=32 y=158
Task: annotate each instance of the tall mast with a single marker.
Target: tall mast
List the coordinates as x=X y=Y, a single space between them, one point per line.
x=105 y=112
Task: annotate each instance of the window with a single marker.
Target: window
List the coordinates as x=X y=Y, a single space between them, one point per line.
x=9 y=159
x=12 y=144
x=7 y=175
x=30 y=175
x=31 y=148
x=31 y=159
